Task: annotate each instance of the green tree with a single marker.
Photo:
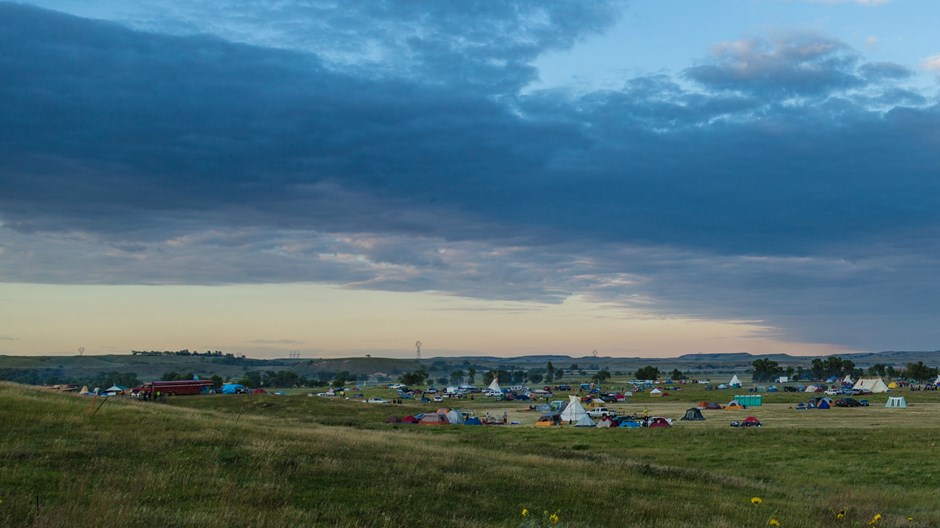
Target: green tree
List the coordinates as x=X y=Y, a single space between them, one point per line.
x=648 y=372
x=549 y=372
x=536 y=376
x=456 y=377
x=676 y=374
x=560 y=373
x=766 y=369
x=471 y=375
x=601 y=376
x=170 y=376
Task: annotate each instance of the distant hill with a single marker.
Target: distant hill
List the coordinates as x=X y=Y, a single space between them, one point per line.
x=60 y=369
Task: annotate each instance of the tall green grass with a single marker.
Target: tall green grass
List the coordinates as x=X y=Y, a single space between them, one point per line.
x=264 y=461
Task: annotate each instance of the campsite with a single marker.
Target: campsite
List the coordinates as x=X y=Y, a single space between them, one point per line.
x=296 y=460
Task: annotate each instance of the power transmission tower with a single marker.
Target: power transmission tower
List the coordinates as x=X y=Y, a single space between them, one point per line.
x=418 y=350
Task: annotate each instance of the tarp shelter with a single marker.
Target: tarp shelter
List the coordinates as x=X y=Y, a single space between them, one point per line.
x=233 y=388
x=693 y=414
x=455 y=417
x=874 y=385
x=114 y=389
x=735 y=382
x=585 y=421
x=574 y=411
x=656 y=393
x=896 y=402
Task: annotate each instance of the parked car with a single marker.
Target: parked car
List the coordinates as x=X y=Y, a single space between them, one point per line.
x=601 y=411
x=847 y=402
x=863 y=403
x=376 y=400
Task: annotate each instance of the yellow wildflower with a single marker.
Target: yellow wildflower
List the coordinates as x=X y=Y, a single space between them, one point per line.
x=756 y=500
x=525 y=512
x=773 y=522
x=554 y=518
x=910 y=519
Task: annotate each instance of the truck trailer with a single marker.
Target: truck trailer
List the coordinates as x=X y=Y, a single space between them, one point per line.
x=156 y=389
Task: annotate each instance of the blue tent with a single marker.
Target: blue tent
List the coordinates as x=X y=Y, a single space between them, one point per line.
x=823 y=404
x=472 y=421
x=629 y=424
x=233 y=388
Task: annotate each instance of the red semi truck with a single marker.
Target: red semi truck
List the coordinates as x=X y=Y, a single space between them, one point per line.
x=155 y=389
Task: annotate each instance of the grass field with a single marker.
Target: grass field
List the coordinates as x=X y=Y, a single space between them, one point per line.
x=265 y=460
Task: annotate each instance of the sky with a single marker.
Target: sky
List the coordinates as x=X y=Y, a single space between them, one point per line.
x=636 y=178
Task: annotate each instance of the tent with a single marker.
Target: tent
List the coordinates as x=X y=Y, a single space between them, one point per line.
x=658 y=422
x=116 y=389
x=494 y=386
x=455 y=417
x=630 y=424
x=548 y=420
x=585 y=421
x=233 y=388
x=873 y=385
x=604 y=423
x=751 y=421
x=693 y=414
x=734 y=405
x=824 y=403
x=573 y=412
x=893 y=385
x=937 y=381
x=735 y=382
x=409 y=420
x=896 y=402
x=473 y=420
x=434 y=419
x=596 y=403
x=393 y=420
x=811 y=388
x=656 y=393
x=847 y=380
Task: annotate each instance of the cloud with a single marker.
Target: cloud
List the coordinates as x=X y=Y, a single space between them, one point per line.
x=793 y=64
x=932 y=63
x=785 y=180
x=485 y=44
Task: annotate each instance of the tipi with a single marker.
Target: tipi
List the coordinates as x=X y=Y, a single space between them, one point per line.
x=873 y=385
x=735 y=382
x=494 y=386
x=574 y=411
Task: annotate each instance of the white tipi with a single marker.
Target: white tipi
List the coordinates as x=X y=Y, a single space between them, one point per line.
x=574 y=411
x=494 y=386
x=735 y=382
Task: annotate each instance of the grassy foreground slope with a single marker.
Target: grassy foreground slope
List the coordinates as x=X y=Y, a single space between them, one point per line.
x=298 y=461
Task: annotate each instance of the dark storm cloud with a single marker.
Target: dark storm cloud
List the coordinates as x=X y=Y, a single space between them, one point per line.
x=785 y=180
